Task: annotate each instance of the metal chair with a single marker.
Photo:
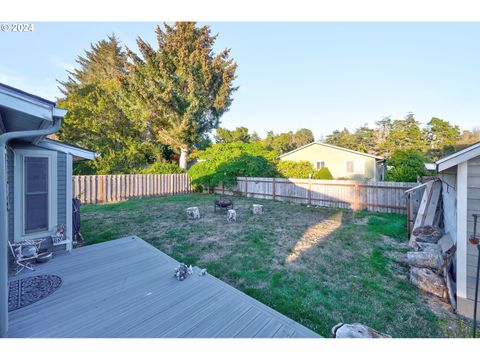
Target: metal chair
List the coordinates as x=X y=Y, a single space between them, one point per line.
x=23 y=262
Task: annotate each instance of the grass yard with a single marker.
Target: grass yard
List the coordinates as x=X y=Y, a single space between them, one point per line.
x=318 y=266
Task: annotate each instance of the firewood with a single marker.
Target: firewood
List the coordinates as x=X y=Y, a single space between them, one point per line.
x=431 y=259
x=426 y=280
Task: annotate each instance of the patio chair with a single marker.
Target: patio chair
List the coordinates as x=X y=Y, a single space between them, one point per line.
x=23 y=260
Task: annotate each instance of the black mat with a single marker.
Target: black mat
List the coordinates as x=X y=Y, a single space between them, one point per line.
x=31 y=289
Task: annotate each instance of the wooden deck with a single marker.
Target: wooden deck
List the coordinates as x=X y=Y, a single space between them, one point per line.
x=125 y=288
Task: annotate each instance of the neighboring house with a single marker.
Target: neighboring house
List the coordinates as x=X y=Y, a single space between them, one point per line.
x=35 y=176
x=460 y=173
x=342 y=163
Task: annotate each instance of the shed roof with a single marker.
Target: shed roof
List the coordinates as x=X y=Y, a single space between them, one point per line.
x=333 y=147
x=458 y=157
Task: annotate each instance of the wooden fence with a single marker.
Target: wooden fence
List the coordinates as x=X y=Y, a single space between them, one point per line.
x=358 y=195
x=93 y=189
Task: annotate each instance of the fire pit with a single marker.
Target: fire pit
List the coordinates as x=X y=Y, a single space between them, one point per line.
x=222 y=203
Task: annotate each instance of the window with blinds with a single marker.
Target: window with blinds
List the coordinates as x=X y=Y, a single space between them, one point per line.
x=36 y=193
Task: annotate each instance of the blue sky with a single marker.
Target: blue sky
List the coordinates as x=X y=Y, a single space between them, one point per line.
x=322 y=76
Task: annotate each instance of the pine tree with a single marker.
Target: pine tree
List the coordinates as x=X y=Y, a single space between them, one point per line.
x=182 y=87
x=95 y=118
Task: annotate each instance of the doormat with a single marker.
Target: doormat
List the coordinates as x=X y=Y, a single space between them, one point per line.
x=26 y=291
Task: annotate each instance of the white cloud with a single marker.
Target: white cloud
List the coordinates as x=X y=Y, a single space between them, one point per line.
x=56 y=61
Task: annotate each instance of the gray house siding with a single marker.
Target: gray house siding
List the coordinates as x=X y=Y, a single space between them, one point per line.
x=473 y=207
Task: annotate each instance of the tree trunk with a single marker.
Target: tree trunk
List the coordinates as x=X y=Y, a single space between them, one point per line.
x=183 y=158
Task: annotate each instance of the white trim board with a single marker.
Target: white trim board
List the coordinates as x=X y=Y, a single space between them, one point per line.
x=69 y=196
x=458 y=157
x=461 y=254
x=18 y=223
x=68 y=149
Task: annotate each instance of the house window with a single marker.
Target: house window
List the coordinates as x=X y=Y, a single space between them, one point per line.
x=320 y=165
x=36 y=194
x=354 y=167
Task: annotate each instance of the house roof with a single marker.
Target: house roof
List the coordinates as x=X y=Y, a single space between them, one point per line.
x=22 y=93
x=77 y=152
x=458 y=157
x=333 y=147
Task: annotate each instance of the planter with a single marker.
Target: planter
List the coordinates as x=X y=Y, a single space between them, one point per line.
x=44 y=257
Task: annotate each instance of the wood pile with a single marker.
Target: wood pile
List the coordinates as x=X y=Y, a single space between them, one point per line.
x=433 y=251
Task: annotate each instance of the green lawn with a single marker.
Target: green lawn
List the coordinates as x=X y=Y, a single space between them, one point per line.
x=318 y=266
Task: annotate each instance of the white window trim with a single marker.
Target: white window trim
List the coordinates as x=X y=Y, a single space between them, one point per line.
x=355 y=172
x=19 y=191
x=317 y=161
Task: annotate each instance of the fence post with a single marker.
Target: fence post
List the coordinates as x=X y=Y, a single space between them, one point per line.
x=356 y=195
x=246 y=186
x=101 y=193
x=309 y=189
x=273 y=188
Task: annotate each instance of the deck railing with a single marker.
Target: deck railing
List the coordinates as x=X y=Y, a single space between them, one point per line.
x=376 y=196
x=93 y=189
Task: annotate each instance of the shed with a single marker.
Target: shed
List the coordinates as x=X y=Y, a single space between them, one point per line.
x=460 y=175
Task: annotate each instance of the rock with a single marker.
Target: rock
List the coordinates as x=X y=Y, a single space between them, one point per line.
x=232 y=215
x=257 y=209
x=426 y=280
x=428 y=234
x=356 y=330
x=431 y=259
x=193 y=213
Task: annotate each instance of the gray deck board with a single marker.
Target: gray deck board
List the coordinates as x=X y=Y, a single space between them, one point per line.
x=126 y=288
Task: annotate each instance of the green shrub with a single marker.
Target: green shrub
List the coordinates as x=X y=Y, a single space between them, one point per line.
x=223 y=162
x=302 y=170
x=406 y=165
x=162 y=167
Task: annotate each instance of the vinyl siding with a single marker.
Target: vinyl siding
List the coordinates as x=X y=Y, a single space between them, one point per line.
x=473 y=207
x=335 y=161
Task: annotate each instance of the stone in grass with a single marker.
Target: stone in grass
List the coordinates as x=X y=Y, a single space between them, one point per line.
x=356 y=330
x=257 y=209
x=193 y=213
x=231 y=215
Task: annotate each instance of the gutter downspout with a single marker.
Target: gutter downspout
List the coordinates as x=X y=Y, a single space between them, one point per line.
x=4 y=139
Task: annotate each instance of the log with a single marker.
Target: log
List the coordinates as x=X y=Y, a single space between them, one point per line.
x=257 y=209
x=193 y=213
x=428 y=234
x=426 y=280
x=431 y=259
x=231 y=215
x=356 y=330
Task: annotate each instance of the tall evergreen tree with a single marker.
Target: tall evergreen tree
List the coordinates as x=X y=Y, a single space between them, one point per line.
x=182 y=87
x=95 y=118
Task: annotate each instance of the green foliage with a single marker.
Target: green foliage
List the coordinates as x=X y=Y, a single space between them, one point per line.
x=162 y=167
x=228 y=136
x=182 y=87
x=223 y=162
x=302 y=170
x=441 y=137
x=406 y=165
x=285 y=142
x=96 y=119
